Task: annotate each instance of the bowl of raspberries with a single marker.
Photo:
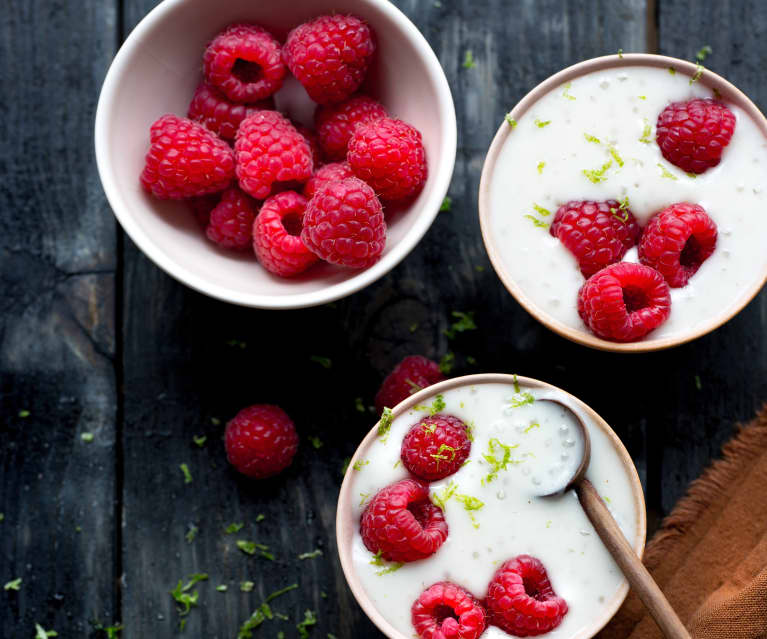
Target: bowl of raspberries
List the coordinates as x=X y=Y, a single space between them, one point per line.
x=276 y=155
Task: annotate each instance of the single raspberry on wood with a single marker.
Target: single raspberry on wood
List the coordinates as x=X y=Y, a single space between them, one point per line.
x=335 y=123
x=185 y=160
x=436 y=447
x=330 y=55
x=327 y=173
x=693 y=134
x=261 y=441
x=677 y=241
x=277 y=235
x=389 y=155
x=344 y=224
x=270 y=153
x=521 y=601
x=596 y=233
x=447 y=611
x=230 y=224
x=624 y=302
x=412 y=374
x=401 y=524
x=245 y=62
x=218 y=114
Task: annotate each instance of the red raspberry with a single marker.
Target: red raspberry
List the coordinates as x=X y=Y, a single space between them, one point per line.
x=389 y=155
x=335 y=123
x=328 y=173
x=312 y=140
x=520 y=599
x=677 y=241
x=202 y=206
x=330 y=56
x=596 y=233
x=692 y=135
x=436 y=447
x=185 y=160
x=217 y=113
x=447 y=611
x=245 y=62
x=269 y=150
x=261 y=441
x=624 y=302
x=412 y=374
x=402 y=524
x=231 y=221
x=277 y=235
x=344 y=224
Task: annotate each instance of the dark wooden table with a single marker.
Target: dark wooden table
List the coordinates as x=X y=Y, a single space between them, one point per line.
x=95 y=339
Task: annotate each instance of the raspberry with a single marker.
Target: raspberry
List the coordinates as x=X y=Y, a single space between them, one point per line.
x=313 y=141
x=245 y=62
x=344 y=224
x=520 y=599
x=185 y=160
x=276 y=235
x=624 y=302
x=269 y=150
x=402 y=524
x=436 y=447
x=215 y=112
x=692 y=135
x=412 y=374
x=335 y=123
x=389 y=155
x=261 y=441
x=202 y=206
x=328 y=173
x=231 y=221
x=596 y=233
x=330 y=56
x=447 y=611
x=677 y=241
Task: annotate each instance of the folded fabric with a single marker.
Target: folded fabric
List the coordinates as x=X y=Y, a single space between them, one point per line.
x=710 y=555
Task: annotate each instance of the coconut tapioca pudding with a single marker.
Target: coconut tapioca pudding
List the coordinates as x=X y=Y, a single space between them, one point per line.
x=448 y=533
x=635 y=164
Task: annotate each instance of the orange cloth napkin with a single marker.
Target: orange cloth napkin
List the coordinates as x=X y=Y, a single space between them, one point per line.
x=710 y=555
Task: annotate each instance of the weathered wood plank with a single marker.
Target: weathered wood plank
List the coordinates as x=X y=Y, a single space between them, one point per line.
x=180 y=372
x=57 y=340
x=732 y=362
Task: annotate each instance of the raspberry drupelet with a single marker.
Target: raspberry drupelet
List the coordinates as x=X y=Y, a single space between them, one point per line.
x=402 y=524
x=244 y=62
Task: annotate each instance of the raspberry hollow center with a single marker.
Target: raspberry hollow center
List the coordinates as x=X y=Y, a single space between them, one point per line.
x=692 y=253
x=635 y=299
x=246 y=72
x=443 y=612
x=293 y=224
x=531 y=589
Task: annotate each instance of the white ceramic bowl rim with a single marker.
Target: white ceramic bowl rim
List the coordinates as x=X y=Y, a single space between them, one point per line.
x=345 y=532
x=442 y=167
x=581 y=336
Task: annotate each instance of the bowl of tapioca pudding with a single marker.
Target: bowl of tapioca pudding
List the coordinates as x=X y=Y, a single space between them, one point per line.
x=622 y=202
x=441 y=530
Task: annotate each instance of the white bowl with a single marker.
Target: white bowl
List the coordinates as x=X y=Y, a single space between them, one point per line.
x=156 y=72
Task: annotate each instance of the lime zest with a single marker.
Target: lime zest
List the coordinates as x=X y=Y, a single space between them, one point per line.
x=440 y=499
x=536 y=221
x=666 y=173
x=360 y=463
x=542 y=123
x=494 y=446
x=468 y=60
x=447 y=203
x=540 y=167
x=646 y=133
x=598 y=175
x=531 y=426
x=566 y=93
x=464 y=322
x=540 y=210
x=511 y=121
x=384 y=425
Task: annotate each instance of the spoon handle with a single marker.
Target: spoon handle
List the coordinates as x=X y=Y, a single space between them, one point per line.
x=641 y=580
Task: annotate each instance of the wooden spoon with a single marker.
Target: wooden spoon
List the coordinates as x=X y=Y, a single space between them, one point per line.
x=612 y=537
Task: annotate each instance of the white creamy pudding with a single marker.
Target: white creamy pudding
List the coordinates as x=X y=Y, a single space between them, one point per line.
x=594 y=139
x=521 y=445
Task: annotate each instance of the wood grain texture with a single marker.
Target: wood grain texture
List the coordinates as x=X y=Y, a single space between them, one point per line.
x=57 y=339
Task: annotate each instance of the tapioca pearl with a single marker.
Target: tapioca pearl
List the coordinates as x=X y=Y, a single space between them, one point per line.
x=536 y=481
x=526 y=471
x=500 y=495
x=604 y=84
x=563 y=430
x=556 y=470
x=475 y=555
x=585 y=533
x=569 y=442
x=623 y=77
x=564 y=456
